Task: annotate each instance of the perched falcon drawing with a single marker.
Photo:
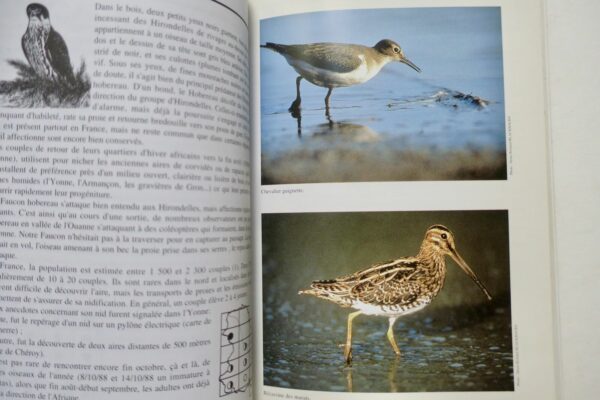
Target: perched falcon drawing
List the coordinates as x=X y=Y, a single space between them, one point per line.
x=45 y=49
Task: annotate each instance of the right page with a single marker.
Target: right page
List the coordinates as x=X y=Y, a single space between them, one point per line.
x=403 y=226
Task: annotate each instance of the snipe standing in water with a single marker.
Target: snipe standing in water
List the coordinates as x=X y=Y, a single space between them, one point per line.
x=395 y=288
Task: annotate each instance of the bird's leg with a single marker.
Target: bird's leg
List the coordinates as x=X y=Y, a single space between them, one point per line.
x=390 y=336
x=327 y=100
x=295 y=107
x=348 y=347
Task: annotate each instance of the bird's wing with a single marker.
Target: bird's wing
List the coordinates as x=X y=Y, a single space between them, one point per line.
x=330 y=56
x=388 y=283
x=58 y=54
x=25 y=48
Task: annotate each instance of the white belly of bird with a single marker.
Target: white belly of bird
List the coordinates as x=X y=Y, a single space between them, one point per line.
x=327 y=78
x=387 y=311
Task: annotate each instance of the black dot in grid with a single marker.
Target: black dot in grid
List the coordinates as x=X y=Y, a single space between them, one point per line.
x=230 y=336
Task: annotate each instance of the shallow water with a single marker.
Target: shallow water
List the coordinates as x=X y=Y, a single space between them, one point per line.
x=461 y=342
x=436 y=354
x=400 y=125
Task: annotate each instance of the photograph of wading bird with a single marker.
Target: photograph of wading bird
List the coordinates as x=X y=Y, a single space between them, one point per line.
x=45 y=49
x=333 y=65
x=395 y=288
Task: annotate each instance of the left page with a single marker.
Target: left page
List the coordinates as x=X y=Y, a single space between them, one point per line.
x=124 y=200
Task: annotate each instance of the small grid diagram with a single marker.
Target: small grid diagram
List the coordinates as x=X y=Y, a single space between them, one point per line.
x=236 y=342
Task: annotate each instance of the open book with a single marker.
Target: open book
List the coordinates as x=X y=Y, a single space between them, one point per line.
x=303 y=200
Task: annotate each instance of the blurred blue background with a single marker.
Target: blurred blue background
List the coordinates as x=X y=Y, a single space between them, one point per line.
x=420 y=120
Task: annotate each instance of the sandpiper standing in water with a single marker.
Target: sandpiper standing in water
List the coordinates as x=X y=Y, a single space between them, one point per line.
x=334 y=65
x=395 y=288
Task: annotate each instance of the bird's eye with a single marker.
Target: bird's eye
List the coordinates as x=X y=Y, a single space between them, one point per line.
x=396 y=50
x=444 y=236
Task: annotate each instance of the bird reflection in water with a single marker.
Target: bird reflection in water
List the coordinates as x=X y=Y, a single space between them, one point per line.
x=343 y=131
x=391 y=376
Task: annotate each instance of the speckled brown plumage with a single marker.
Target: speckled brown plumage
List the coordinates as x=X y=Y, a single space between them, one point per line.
x=396 y=287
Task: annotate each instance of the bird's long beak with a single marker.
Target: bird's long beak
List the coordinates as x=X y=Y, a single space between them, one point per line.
x=406 y=61
x=463 y=265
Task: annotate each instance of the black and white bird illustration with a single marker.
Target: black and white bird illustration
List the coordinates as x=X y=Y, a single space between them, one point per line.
x=45 y=49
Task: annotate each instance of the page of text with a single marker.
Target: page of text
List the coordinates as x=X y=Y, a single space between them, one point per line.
x=124 y=200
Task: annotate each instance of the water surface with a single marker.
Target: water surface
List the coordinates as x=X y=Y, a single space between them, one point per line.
x=401 y=125
x=461 y=342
